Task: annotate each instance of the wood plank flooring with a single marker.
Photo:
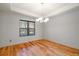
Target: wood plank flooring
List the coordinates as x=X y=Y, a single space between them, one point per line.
x=38 y=48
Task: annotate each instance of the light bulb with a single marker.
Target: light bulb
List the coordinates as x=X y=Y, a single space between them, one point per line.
x=46 y=20
x=39 y=19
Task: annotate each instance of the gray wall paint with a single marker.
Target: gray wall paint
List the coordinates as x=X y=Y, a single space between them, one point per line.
x=64 y=28
x=9 y=28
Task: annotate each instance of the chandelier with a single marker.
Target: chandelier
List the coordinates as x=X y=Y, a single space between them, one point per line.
x=42 y=19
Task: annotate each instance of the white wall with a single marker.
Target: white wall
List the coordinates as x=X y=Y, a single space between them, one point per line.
x=64 y=28
x=9 y=28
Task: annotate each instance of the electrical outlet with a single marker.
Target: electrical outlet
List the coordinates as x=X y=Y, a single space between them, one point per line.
x=10 y=40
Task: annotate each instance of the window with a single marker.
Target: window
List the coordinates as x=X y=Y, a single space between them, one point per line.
x=26 y=28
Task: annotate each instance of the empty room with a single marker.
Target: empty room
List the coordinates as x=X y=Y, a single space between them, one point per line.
x=39 y=29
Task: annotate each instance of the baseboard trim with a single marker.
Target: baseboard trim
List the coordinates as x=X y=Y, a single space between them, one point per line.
x=62 y=44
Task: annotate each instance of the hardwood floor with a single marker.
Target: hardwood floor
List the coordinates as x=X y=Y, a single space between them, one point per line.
x=38 y=48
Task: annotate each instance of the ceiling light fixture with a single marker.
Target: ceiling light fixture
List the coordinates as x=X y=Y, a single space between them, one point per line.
x=42 y=19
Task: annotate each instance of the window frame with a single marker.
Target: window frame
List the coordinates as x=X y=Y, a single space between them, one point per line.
x=27 y=29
